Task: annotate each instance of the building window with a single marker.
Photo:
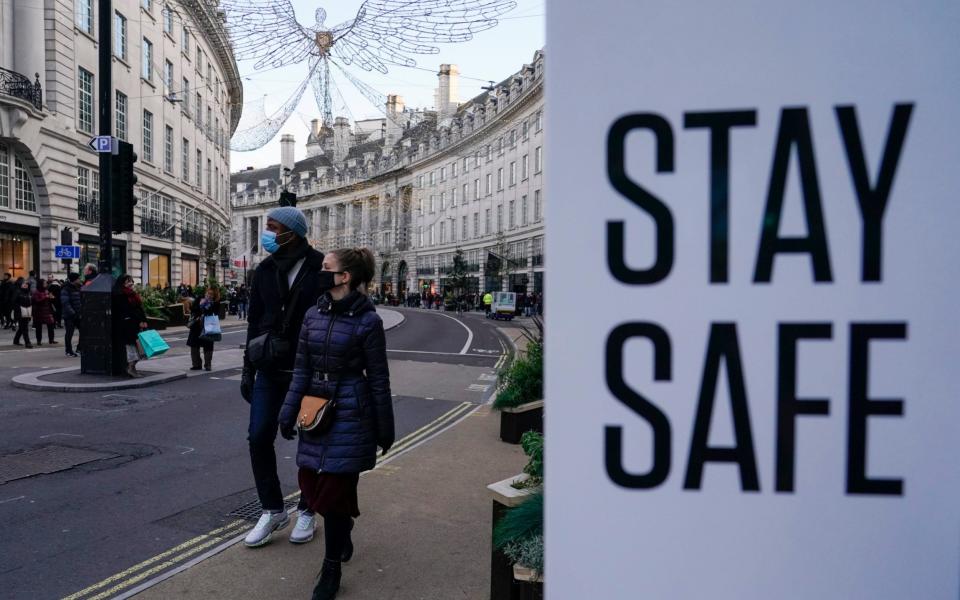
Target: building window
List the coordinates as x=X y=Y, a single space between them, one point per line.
x=208 y=175
x=476 y=189
x=464 y=232
x=120 y=36
x=147 y=71
x=443 y=174
x=499 y=146
x=23 y=183
x=443 y=232
x=476 y=159
x=85 y=114
x=523 y=210
x=185 y=160
x=499 y=218
x=525 y=167
x=185 y=98
x=443 y=200
x=433 y=177
x=4 y=177
x=486 y=222
x=453 y=197
x=453 y=169
x=167 y=21
x=539 y=122
x=85 y=16
x=489 y=154
x=476 y=224
x=168 y=77
x=168 y=149
x=199 y=110
x=500 y=179
x=199 y=167
x=466 y=165
x=121 y=116
x=420 y=236
x=185 y=41
x=513 y=173
x=88 y=198
x=511 y=216
x=466 y=192
x=537 y=214
x=538 y=159
x=148 y=136
x=147 y=5
x=524 y=129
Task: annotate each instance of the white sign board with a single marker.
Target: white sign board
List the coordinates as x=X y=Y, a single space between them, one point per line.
x=754 y=272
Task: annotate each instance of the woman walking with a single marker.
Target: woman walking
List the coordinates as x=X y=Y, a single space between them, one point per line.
x=207 y=306
x=130 y=319
x=341 y=356
x=43 y=312
x=22 y=309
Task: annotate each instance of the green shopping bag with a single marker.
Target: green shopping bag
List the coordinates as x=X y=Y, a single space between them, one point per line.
x=152 y=343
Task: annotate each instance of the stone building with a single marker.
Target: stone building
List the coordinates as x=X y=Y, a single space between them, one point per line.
x=422 y=185
x=177 y=98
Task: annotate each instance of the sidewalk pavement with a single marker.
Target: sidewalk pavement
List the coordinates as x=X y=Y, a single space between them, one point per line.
x=424 y=532
x=159 y=370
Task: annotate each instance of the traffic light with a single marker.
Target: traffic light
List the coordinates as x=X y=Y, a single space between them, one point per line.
x=288 y=199
x=122 y=198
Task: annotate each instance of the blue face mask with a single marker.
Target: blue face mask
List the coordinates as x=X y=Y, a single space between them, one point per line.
x=268 y=240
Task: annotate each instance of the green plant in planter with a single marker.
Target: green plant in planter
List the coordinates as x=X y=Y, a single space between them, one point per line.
x=153 y=302
x=522 y=380
x=520 y=533
x=532 y=444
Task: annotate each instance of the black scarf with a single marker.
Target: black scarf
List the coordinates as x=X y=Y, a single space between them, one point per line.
x=345 y=304
x=289 y=254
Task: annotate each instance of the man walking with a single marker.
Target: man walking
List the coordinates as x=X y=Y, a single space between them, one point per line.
x=7 y=293
x=284 y=287
x=70 y=301
x=487 y=302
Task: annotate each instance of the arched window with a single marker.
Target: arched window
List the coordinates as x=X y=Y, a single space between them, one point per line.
x=16 y=183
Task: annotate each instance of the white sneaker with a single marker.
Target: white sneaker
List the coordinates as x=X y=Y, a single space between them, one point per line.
x=303 y=530
x=263 y=530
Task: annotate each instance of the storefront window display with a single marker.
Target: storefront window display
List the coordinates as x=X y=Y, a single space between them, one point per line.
x=90 y=253
x=156 y=269
x=17 y=254
x=190 y=271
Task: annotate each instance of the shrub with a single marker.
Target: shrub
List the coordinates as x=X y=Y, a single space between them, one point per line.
x=522 y=380
x=153 y=302
x=527 y=552
x=520 y=522
x=532 y=444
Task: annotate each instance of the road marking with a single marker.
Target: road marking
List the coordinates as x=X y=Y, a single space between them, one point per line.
x=487 y=377
x=440 y=353
x=50 y=435
x=477 y=387
x=12 y=499
x=218 y=533
x=469 y=332
x=191 y=547
x=188 y=449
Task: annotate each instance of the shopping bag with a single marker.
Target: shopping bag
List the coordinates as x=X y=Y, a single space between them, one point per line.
x=211 y=329
x=152 y=343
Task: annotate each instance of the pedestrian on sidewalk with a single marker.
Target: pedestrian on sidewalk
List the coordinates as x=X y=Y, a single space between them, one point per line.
x=89 y=273
x=207 y=306
x=70 y=300
x=54 y=287
x=22 y=312
x=129 y=318
x=7 y=294
x=43 y=312
x=283 y=287
x=243 y=297
x=342 y=356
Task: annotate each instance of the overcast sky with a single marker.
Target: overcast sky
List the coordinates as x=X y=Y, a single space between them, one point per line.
x=491 y=55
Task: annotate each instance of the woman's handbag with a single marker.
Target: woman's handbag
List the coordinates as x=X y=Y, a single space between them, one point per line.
x=152 y=343
x=26 y=312
x=316 y=413
x=211 y=329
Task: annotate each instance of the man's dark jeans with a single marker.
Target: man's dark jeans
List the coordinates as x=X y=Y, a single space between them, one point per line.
x=71 y=326
x=265 y=403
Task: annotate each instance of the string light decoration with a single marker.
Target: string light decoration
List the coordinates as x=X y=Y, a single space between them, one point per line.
x=383 y=33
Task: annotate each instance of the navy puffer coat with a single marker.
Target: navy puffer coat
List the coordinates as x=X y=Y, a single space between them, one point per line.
x=346 y=340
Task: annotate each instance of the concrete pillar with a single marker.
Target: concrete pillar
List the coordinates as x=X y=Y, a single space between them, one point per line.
x=448 y=92
x=394 y=131
x=287 y=144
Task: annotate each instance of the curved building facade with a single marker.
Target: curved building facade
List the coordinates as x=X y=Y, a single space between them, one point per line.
x=419 y=186
x=176 y=98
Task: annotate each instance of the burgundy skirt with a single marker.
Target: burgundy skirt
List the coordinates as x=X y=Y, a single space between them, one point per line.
x=330 y=494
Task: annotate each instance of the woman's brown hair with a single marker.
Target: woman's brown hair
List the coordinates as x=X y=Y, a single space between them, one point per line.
x=358 y=262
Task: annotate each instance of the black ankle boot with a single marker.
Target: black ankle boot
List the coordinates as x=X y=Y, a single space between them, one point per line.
x=329 y=584
x=348 y=547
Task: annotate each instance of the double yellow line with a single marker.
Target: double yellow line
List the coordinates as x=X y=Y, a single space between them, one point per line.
x=116 y=584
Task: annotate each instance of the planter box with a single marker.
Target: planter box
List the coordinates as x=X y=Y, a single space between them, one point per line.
x=516 y=421
x=503 y=586
x=158 y=324
x=530 y=583
x=177 y=314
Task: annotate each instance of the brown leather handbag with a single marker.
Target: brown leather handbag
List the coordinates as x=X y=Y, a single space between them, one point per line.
x=316 y=413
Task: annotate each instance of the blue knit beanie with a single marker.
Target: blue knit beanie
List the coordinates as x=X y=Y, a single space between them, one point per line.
x=292 y=217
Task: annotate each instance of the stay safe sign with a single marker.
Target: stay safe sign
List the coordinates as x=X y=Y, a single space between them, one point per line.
x=752 y=333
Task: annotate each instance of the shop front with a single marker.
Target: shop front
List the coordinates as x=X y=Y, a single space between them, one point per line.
x=190 y=270
x=156 y=268
x=90 y=253
x=19 y=250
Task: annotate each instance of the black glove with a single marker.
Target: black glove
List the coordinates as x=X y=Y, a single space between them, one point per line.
x=287 y=431
x=246 y=383
x=385 y=444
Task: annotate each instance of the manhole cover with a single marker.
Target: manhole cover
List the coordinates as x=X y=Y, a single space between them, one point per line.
x=252 y=510
x=42 y=461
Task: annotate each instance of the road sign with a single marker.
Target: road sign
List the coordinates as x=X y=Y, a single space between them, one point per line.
x=102 y=143
x=67 y=252
x=762 y=404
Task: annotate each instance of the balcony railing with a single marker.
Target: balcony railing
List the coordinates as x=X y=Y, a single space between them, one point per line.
x=19 y=86
x=156 y=228
x=88 y=211
x=192 y=237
